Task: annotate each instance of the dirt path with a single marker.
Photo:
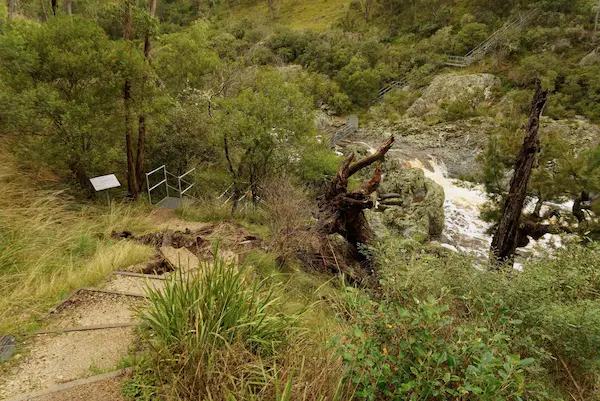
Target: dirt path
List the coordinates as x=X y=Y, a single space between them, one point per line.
x=133 y=285
x=58 y=358
x=74 y=342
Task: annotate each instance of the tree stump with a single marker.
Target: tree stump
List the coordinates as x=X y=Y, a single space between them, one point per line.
x=341 y=212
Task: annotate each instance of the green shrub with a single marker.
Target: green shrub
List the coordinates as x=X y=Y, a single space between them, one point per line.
x=317 y=165
x=550 y=310
x=417 y=353
x=465 y=106
x=469 y=36
x=395 y=103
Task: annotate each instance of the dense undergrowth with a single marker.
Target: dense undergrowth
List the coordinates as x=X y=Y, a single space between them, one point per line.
x=436 y=328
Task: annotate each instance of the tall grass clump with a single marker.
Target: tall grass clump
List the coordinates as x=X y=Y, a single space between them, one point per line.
x=217 y=210
x=219 y=334
x=214 y=307
x=50 y=244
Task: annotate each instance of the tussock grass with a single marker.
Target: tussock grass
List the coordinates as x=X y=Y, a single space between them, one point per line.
x=225 y=335
x=214 y=210
x=51 y=245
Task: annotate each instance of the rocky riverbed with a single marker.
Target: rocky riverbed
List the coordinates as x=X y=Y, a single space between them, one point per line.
x=429 y=164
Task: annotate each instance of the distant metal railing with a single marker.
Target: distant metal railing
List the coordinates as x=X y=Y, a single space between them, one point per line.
x=392 y=85
x=181 y=189
x=481 y=49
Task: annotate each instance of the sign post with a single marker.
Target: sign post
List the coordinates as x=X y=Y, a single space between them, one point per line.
x=105 y=182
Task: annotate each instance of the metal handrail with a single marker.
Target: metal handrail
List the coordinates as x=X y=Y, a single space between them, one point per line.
x=156 y=186
x=165 y=181
x=181 y=176
x=479 y=51
x=187 y=189
x=155 y=170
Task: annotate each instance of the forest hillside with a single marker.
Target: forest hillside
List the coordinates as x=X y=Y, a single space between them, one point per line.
x=312 y=200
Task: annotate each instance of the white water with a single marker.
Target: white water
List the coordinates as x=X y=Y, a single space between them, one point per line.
x=465 y=231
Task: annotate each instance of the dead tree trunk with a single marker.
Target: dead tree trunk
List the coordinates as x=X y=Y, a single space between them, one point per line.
x=127 y=100
x=340 y=211
x=69 y=6
x=505 y=239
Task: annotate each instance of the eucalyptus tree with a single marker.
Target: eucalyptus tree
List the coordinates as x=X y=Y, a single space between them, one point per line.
x=261 y=129
x=62 y=84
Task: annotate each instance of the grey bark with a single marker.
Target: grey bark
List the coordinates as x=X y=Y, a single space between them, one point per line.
x=504 y=242
x=132 y=185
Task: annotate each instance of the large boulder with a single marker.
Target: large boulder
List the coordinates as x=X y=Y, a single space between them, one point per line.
x=451 y=87
x=592 y=58
x=417 y=209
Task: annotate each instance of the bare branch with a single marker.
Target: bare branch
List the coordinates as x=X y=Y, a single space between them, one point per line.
x=367 y=161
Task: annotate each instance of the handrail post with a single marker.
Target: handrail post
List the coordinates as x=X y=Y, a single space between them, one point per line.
x=148 y=188
x=180 y=194
x=166 y=180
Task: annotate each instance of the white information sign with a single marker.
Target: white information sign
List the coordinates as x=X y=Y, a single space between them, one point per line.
x=105 y=182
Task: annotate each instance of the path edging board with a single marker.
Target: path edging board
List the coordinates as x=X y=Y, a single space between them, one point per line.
x=69 y=385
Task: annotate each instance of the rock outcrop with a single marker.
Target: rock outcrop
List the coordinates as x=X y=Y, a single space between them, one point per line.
x=592 y=58
x=409 y=204
x=451 y=87
x=578 y=131
x=457 y=144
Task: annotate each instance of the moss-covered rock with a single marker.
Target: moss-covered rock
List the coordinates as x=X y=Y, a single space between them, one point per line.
x=409 y=204
x=453 y=87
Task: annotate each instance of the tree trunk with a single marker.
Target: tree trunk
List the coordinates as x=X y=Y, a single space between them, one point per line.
x=147 y=39
x=367 y=9
x=132 y=185
x=44 y=11
x=141 y=152
x=505 y=239
x=142 y=128
x=578 y=209
x=341 y=211
x=596 y=22
x=68 y=6
x=274 y=7
x=11 y=6
x=80 y=173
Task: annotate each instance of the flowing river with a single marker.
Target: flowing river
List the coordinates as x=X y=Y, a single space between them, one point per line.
x=465 y=231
